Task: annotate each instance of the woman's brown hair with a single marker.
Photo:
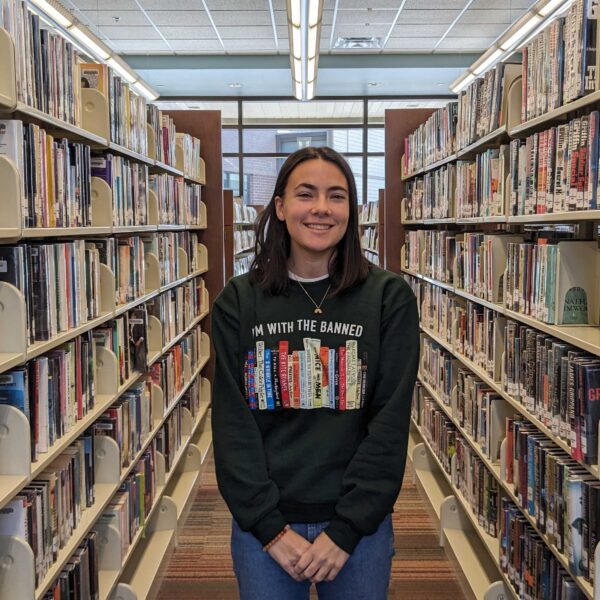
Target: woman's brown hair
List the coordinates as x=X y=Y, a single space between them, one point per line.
x=347 y=268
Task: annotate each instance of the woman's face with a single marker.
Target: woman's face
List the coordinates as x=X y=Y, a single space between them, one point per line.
x=315 y=207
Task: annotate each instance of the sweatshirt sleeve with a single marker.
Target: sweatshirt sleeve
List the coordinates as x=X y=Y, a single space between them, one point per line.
x=372 y=480
x=240 y=461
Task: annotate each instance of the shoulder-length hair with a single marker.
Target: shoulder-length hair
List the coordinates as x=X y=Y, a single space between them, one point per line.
x=348 y=266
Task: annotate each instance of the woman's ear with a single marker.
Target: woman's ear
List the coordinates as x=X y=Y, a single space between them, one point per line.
x=279 y=208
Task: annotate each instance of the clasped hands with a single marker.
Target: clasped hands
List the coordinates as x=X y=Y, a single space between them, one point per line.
x=320 y=561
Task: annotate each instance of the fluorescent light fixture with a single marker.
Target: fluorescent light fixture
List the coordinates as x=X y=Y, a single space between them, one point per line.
x=120 y=69
x=533 y=21
x=298 y=90
x=490 y=60
x=550 y=7
x=311 y=71
x=310 y=90
x=297 y=70
x=311 y=49
x=53 y=13
x=88 y=42
x=295 y=9
x=461 y=85
x=314 y=12
x=296 y=42
x=145 y=91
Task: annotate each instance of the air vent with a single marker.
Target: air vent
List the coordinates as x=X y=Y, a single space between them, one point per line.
x=361 y=43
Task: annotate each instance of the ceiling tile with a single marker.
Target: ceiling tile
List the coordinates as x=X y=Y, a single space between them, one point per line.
x=466 y=44
x=481 y=17
x=126 y=18
x=236 y=5
x=142 y=46
x=231 y=33
x=467 y=31
x=241 y=17
x=457 y=5
x=436 y=17
x=212 y=46
x=174 y=18
x=423 y=30
x=179 y=5
x=189 y=33
x=130 y=33
x=106 y=4
x=360 y=30
x=249 y=45
x=370 y=4
x=375 y=17
x=420 y=43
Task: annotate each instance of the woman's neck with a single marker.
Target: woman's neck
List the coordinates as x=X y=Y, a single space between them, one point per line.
x=309 y=266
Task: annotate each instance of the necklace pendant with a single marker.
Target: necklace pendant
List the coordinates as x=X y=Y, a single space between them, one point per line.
x=318 y=311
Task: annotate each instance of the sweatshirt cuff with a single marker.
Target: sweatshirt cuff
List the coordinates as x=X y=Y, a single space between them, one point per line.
x=268 y=527
x=343 y=535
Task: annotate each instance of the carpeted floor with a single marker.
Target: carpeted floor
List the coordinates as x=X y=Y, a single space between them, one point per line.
x=200 y=567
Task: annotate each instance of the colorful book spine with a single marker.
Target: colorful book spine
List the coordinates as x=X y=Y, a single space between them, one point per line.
x=324 y=357
x=304 y=398
x=333 y=384
x=260 y=376
x=351 y=374
x=276 y=377
x=284 y=378
x=342 y=367
x=269 y=379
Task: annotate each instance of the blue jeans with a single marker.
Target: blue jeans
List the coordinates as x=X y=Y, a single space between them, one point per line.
x=365 y=576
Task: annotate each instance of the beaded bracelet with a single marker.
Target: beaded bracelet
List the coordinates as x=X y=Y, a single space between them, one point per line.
x=276 y=538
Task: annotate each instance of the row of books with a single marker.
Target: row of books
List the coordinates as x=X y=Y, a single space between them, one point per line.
x=128 y=181
x=243 y=240
x=55 y=177
x=242 y=264
x=555 y=381
x=168 y=138
x=372 y=257
x=481 y=185
x=470 y=476
x=178 y=202
x=556 y=170
x=191 y=154
x=369 y=239
x=432 y=141
x=242 y=213
x=127 y=110
x=177 y=308
x=47 y=511
x=559 y=64
x=46 y=64
x=313 y=378
x=369 y=212
x=432 y=196
x=481 y=104
x=166 y=246
x=548 y=278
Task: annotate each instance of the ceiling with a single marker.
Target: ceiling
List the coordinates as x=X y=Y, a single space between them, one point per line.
x=235 y=28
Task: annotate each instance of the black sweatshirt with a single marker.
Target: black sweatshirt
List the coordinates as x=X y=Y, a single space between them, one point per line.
x=328 y=441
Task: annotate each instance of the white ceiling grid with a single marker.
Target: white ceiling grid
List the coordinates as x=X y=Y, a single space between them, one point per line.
x=260 y=26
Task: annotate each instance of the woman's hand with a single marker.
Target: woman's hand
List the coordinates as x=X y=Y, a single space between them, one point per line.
x=287 y=552
x=322 y=561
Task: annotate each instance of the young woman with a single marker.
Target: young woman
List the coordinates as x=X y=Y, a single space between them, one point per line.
x=316 y=359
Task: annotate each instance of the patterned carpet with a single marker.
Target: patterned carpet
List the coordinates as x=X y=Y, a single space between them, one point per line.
x=200 y=568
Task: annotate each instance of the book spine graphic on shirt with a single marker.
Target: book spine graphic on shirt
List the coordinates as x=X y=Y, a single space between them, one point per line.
x=324 y=355
x=351 y=373
x=303 y=379
x=343 y=375
x=268 y=380
x=316 y=377
x=276 y=378
x=260 y=375
x=296 y=377
x=310 y=374
x=332 y=379
x=284 y=378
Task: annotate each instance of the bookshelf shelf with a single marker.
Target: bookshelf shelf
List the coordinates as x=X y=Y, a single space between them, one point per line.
x=373 y=250
x=562 y=217
x=119 y=229
x=431 y=167
x=123 y=151
x=47 y=232
x=524 y=129
x=162 y=166
x=244 y=252
x=8 y=91
x=10 y=200
x=490 y=219
x=243 y=224
x=488 y=141
x=50 y=123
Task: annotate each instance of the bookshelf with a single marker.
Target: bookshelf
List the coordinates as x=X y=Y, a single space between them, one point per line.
x=372 y=229
x=180 y=405
x=444 y=298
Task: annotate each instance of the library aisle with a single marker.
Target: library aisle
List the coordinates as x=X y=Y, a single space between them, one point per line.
x=200 y=568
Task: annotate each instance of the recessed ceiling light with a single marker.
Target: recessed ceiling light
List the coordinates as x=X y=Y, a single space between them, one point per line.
x=374 y=84
x=358 y=43
x=234 y=85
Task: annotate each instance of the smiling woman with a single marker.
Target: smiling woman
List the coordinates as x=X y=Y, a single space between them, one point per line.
x=316 y=359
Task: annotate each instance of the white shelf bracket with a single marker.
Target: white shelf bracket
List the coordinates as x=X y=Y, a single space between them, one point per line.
x=107 y=461
x=123 y=592
x=17 y=571
x=15 y=442
x=109 y=537
x=497 y=591
x=107 y=372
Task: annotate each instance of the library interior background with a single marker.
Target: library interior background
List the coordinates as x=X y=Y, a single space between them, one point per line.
x=139 y=143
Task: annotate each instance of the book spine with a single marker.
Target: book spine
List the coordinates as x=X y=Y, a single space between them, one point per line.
x=342 y=376
x=284 y=378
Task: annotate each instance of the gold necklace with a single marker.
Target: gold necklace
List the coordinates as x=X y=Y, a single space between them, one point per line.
x=318 y=309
